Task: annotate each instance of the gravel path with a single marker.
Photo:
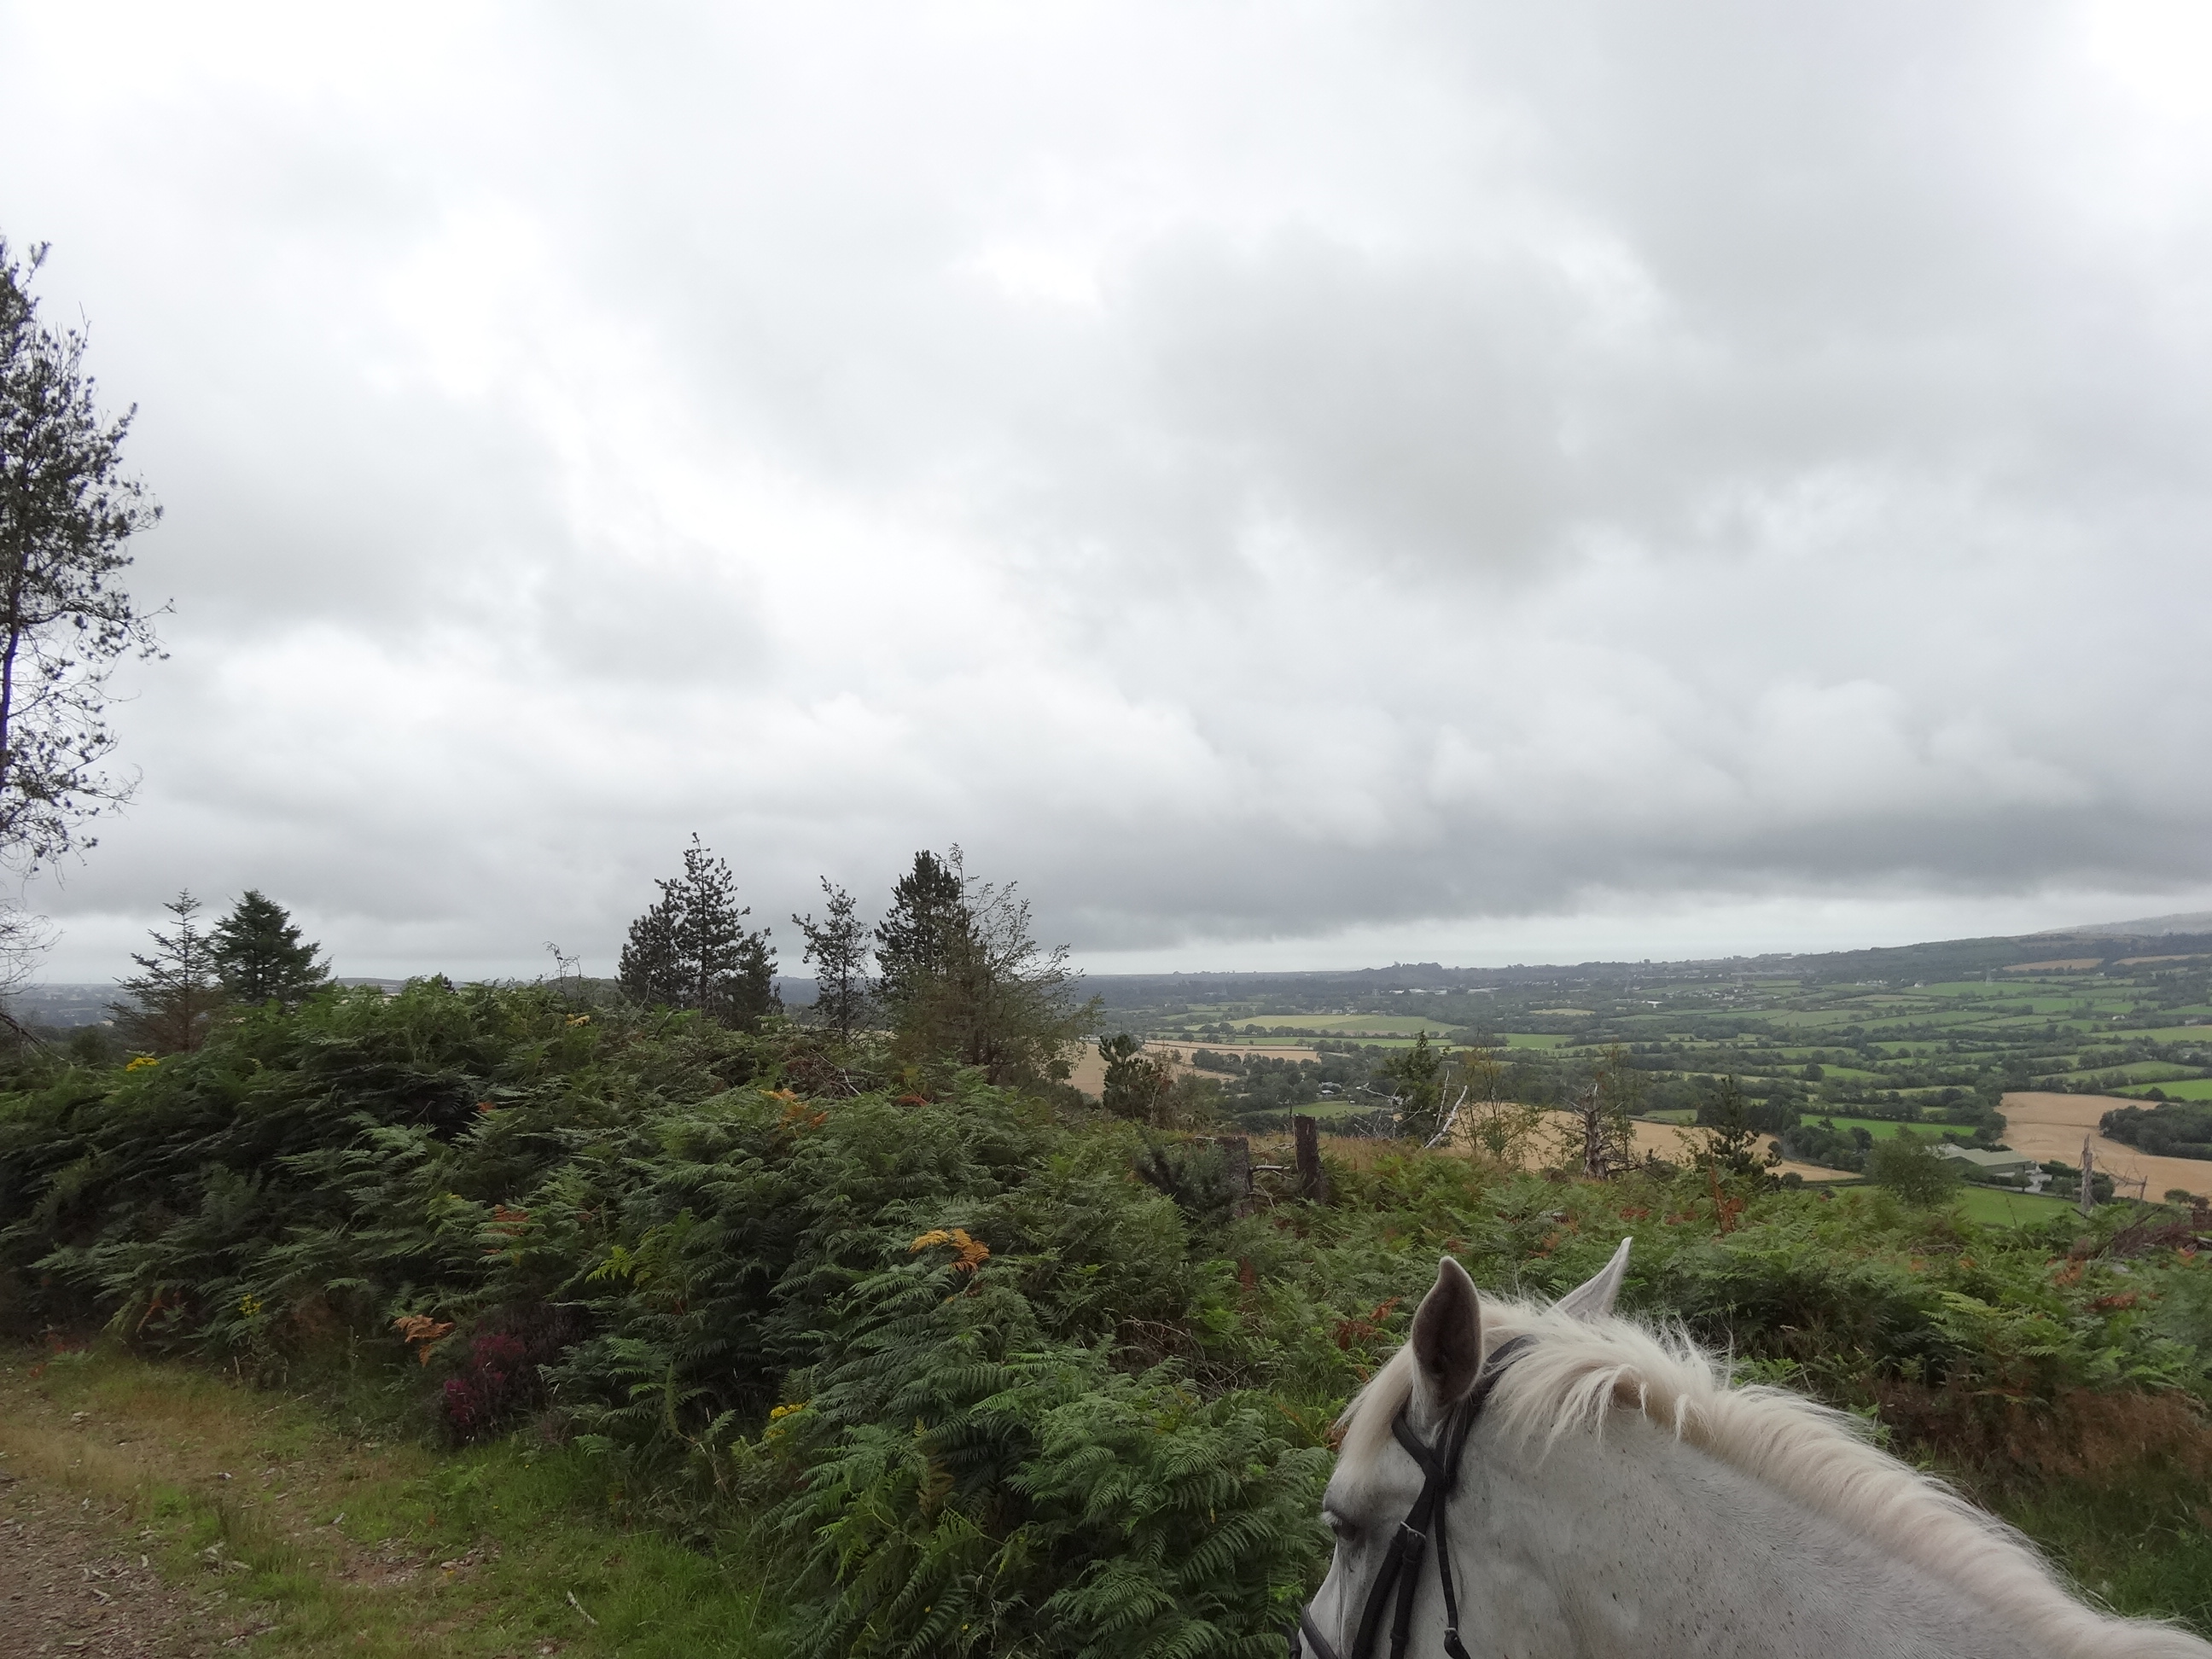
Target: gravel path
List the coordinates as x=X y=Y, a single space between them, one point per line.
x=71 y=1584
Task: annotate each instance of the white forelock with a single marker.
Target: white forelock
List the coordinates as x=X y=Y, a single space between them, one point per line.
x=1578 y=1371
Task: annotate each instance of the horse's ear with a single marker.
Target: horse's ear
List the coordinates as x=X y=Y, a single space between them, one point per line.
x=1594 y=1300
x=1448 y=1336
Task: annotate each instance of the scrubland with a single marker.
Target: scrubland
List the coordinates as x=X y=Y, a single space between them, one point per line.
x=752 y=1343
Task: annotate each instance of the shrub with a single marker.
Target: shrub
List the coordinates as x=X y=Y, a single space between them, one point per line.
x=1911 y=1169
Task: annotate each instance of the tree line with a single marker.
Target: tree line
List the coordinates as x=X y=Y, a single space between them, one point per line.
x=951 y=971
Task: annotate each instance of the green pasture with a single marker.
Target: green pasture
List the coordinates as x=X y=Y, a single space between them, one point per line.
x=2154 y=1071
x=1535 y=1040
x=1347 y=1025
x=2193 y=1089
x=2141 y=1070
x=1993 y=1206
x=1880 y=1128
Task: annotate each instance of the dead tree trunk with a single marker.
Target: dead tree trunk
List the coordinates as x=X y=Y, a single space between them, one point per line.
x=1312 y=1179
x=1595 y=1165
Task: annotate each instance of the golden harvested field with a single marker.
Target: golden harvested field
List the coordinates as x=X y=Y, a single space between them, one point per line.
x=1089 y=1072
x=1555 y=1148
x=2051 y=1126
x=1677 y=1143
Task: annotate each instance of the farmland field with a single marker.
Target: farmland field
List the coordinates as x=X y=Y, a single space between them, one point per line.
x=2191 y=1089
x=2047 y=1126
x=1993 y=1206
x=1348 y=1024
x=1881 y=1128
x=1819 y=1044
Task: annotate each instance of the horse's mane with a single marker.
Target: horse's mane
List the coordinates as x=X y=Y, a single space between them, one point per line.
x=1578 y=1371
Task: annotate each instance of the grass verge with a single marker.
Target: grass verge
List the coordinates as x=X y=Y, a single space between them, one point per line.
x=345 y=1542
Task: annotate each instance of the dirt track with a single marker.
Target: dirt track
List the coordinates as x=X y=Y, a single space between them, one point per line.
x=72 y=1582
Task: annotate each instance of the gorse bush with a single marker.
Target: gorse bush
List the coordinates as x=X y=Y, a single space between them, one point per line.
x=991 y=1375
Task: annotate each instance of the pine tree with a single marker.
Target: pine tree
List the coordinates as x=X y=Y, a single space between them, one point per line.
x=1418 y=1074
x=1731 y=1140
x=692 y=951
x=963 y=979
x=1137 y=1084
x=838 y=948
x=913 y=940
x=175 y=998
x=260 y=957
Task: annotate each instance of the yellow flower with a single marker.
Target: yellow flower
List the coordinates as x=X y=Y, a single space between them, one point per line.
x=140 y=1062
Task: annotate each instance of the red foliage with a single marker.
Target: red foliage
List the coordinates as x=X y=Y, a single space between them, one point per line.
x=497 y=1379
x=1364 y=1329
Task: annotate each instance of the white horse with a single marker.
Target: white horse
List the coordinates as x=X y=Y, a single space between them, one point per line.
x=1615 y=1495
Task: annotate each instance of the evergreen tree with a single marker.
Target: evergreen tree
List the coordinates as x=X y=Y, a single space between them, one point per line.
x=692 y=951
x=838 y=948
x=963 y=978
x=260 y=957
x=913 y=940
x=1137 y=1084
x=1731 y=1132
x=1418 y=1076
x=175 y=999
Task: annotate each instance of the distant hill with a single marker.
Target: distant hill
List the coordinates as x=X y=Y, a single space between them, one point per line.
x=2084 y=949
x=2193 y=922
x=63 y=1006
x=2079 y=949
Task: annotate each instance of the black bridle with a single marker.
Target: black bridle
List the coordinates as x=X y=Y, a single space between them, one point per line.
x=1401 y=1563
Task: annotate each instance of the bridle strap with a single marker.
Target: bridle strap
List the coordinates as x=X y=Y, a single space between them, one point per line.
x=1401 y=1569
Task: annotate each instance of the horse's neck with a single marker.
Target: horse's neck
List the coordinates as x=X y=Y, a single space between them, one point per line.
x=1639 y=1545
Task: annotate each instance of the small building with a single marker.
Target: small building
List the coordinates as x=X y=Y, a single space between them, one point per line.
x=1997 y=1166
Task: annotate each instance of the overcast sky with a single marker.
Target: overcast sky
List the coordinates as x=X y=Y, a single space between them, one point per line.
x=1293 y=484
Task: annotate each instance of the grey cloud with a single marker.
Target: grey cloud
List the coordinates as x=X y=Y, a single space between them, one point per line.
x=1252 y=481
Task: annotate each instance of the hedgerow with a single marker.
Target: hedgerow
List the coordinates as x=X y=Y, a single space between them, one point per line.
x=992 y=1375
